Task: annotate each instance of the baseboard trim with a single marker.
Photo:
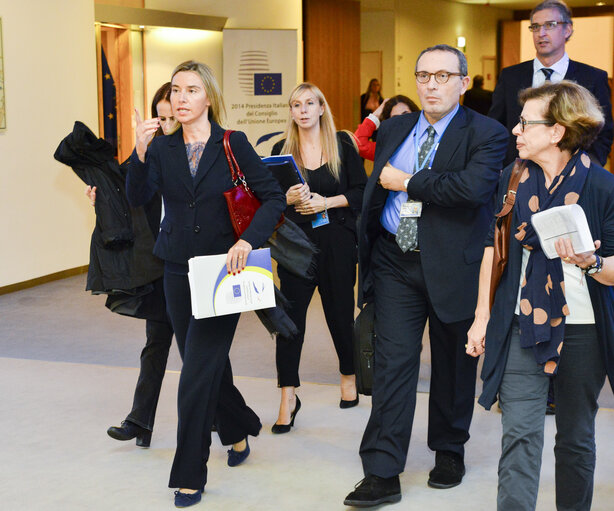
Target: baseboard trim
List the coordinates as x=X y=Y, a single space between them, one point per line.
x=71 y=272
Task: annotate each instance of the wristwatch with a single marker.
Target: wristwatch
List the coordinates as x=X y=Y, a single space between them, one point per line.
x=594 y=268
x=405 y=183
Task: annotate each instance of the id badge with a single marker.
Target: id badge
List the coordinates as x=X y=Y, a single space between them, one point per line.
x=321 y=219
x=411 y=209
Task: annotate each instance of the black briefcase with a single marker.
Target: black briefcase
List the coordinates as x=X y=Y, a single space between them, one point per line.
x=364 y=339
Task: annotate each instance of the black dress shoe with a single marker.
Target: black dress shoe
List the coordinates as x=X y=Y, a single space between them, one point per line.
x=373 y=491
x=448 y=472
x=344 y=403
x=285 y=428
x=129 y=430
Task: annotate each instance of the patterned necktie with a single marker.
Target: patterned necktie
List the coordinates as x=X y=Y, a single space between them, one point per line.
x=407 y=233
x=547 y=72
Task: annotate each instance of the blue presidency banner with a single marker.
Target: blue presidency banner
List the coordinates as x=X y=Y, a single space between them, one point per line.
x=259 y=74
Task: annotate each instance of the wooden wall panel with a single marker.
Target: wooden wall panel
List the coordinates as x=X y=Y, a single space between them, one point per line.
x=509 y=44
x=331 y=34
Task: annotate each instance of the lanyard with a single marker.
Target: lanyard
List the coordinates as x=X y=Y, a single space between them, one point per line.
x=428 y=156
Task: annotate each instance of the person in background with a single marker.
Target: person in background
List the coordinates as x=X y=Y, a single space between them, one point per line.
x=551 y=26
x=370 y=100
x=477 y=98
x=550 y=316
x=325 y=207
x=191 y=172
x=391 y=107
x=159 y=332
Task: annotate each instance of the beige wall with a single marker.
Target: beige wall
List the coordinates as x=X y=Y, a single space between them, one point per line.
x=50 y=79
x=162 y=54
x=405 y=27
x=422 y=24
x=167 y=47
x=581 y=46
x=377 y=34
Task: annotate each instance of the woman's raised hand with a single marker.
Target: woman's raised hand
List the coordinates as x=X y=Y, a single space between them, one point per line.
x=378 y=111
x=297 y=194
x=90 y=192
x=145 y=131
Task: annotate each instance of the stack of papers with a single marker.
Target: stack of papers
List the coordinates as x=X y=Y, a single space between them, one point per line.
x=215 y=293
x=563 y=222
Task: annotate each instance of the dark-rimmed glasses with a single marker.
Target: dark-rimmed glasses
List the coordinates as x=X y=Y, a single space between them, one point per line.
x=548 y=25
x=523 y=123
x=441 y=77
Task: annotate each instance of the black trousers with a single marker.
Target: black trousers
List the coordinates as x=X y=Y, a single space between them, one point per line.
x=153 y=364
x=402 y=307
x=206 y=390
x=335 y=279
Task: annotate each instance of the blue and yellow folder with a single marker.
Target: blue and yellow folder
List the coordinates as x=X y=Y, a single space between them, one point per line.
x=215 y=293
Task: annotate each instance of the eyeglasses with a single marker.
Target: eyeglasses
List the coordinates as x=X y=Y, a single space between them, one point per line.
x=523 y=123
x=548 y=25
x=441 y=77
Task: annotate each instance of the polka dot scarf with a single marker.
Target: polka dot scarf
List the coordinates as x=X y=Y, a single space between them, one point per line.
x=542 y=298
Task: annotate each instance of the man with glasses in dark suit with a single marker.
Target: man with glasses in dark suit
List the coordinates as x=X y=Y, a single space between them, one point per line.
x=551 y=26
x=426 y=210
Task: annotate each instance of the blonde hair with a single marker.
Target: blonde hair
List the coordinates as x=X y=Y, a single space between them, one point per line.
x=328 y=132
x=571 y=106
x=217 y=110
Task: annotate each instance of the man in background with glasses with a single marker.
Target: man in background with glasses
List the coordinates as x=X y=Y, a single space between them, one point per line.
x=551 y=26
x=426 y=210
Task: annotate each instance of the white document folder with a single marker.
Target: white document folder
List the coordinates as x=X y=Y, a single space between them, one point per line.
x=563 y=222
x=215 y=293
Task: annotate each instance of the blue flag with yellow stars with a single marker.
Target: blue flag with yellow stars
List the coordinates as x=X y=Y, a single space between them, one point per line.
x=267 y=84
x=109 y=105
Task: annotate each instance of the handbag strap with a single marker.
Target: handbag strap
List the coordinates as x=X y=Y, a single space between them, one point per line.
x=509 y=198
x=235 y=170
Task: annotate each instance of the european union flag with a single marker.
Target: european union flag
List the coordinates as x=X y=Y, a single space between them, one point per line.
x=109 y=105
x=267 y=84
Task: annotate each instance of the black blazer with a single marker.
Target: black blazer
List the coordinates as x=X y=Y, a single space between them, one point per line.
x=457 y=195
x=196 y=220
x=506 y=109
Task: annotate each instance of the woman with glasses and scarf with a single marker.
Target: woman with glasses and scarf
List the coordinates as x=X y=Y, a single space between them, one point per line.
x=550 y=316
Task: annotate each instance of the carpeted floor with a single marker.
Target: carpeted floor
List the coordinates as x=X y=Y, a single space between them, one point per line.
x=67 y=372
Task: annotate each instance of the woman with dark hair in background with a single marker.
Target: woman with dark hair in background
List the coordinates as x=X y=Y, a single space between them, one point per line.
x=391 y=107
x=190 y=169
x=159 y=332
x=370 y=100
x=325 y=208
x=550 y=316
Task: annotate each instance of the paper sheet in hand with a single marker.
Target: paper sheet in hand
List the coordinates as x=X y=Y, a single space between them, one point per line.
x=215 y=293
x=285 y=170
x=563 y=222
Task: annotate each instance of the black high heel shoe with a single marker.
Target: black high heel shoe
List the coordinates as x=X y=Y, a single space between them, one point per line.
x=285 y=428
x=129 y=430
x=345 y=403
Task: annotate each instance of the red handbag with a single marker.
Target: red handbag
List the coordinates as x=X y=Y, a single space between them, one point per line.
x=241 y=201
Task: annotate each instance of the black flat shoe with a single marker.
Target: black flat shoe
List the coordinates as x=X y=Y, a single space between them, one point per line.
x=373 y=491
x=448 y=471
x=285 y=428
x=348 y=404
x=129 y=430
x=187 y=499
